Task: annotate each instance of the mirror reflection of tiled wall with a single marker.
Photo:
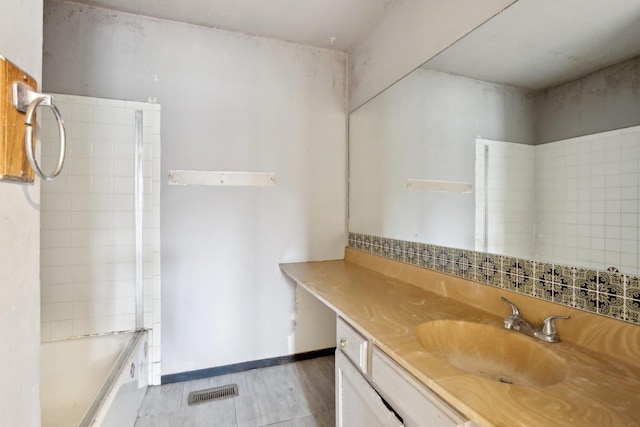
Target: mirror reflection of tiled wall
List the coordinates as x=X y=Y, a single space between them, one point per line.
x=573 y=201
x=587 y=200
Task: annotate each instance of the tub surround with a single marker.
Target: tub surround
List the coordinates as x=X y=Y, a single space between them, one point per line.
x=387 y=300
x=88 y=265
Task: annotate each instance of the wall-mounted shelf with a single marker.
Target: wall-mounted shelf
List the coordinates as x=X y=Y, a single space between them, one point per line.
x=432 y=186
x=222 y=178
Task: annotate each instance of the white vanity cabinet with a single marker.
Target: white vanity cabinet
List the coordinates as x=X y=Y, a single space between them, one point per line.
x=372 y=390
x=357 y=403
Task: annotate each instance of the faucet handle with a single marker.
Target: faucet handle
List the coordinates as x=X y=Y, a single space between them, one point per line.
x=548 y=328
x=514 y=307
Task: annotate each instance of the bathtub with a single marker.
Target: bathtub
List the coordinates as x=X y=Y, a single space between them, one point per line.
x=93 y=381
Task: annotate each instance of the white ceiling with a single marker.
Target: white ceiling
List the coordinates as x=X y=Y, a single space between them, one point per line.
x=312 y=22
x=536 y=44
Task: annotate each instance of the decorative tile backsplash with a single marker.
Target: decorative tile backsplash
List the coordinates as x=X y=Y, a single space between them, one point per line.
x=609 y=294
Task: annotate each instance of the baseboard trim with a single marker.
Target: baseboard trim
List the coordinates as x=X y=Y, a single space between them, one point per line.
x=244 y=366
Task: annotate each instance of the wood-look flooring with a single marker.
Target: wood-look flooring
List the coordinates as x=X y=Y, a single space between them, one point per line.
x=298 y=394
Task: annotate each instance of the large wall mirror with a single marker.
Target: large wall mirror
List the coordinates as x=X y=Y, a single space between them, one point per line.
x=521 y=139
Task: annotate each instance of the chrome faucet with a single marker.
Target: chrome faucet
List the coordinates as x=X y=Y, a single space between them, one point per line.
x=516 y=322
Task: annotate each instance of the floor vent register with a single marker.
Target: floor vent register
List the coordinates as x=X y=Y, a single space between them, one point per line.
x=211 y=394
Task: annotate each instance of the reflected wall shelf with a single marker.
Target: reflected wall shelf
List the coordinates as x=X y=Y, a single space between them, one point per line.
x=222 y=178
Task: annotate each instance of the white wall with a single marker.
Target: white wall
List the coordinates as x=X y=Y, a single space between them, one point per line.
x=19 y=254
x=607 y=99
x=229 y=102
x=411 y=33
x=425 y=127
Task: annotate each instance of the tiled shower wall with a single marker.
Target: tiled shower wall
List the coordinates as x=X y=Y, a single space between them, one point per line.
x=88 y=243
x=584 y=209
x=587 y=200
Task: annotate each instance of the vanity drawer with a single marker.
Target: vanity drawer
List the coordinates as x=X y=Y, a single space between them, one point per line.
x=352 y=344
x=414 y=402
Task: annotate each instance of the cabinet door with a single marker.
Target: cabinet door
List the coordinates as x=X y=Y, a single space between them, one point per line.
x=357 y=403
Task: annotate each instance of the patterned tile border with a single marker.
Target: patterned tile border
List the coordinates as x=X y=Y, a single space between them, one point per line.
x=609 y=294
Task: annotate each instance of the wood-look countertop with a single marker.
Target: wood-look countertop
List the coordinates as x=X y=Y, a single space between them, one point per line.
x=601 y=355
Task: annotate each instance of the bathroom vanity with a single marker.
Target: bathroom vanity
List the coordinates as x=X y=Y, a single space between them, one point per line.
x=373 y=390
x=420 y=348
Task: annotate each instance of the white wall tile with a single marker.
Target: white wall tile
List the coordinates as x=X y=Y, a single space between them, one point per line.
x=61 y=329
x=62 y=293
x=61 y=311
x=59 y=275
x=103 y=133
x=82 y=113
x=57 y=220
x=81 y=274
x=61 y=185
x=122 y=202
x=80 y=185
x=124 y=134
x=45 y=331
x=80 y=202
x=80 y=131
x=81 y=327
x=77 y=148
x=59 y=203
x=101 y=184
x=102 y=167
x=123 y=168
x=103 y=114
x=124 y=288
x=80 y=238
x=122 y=151
x=123 y=185
x=125 y=116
